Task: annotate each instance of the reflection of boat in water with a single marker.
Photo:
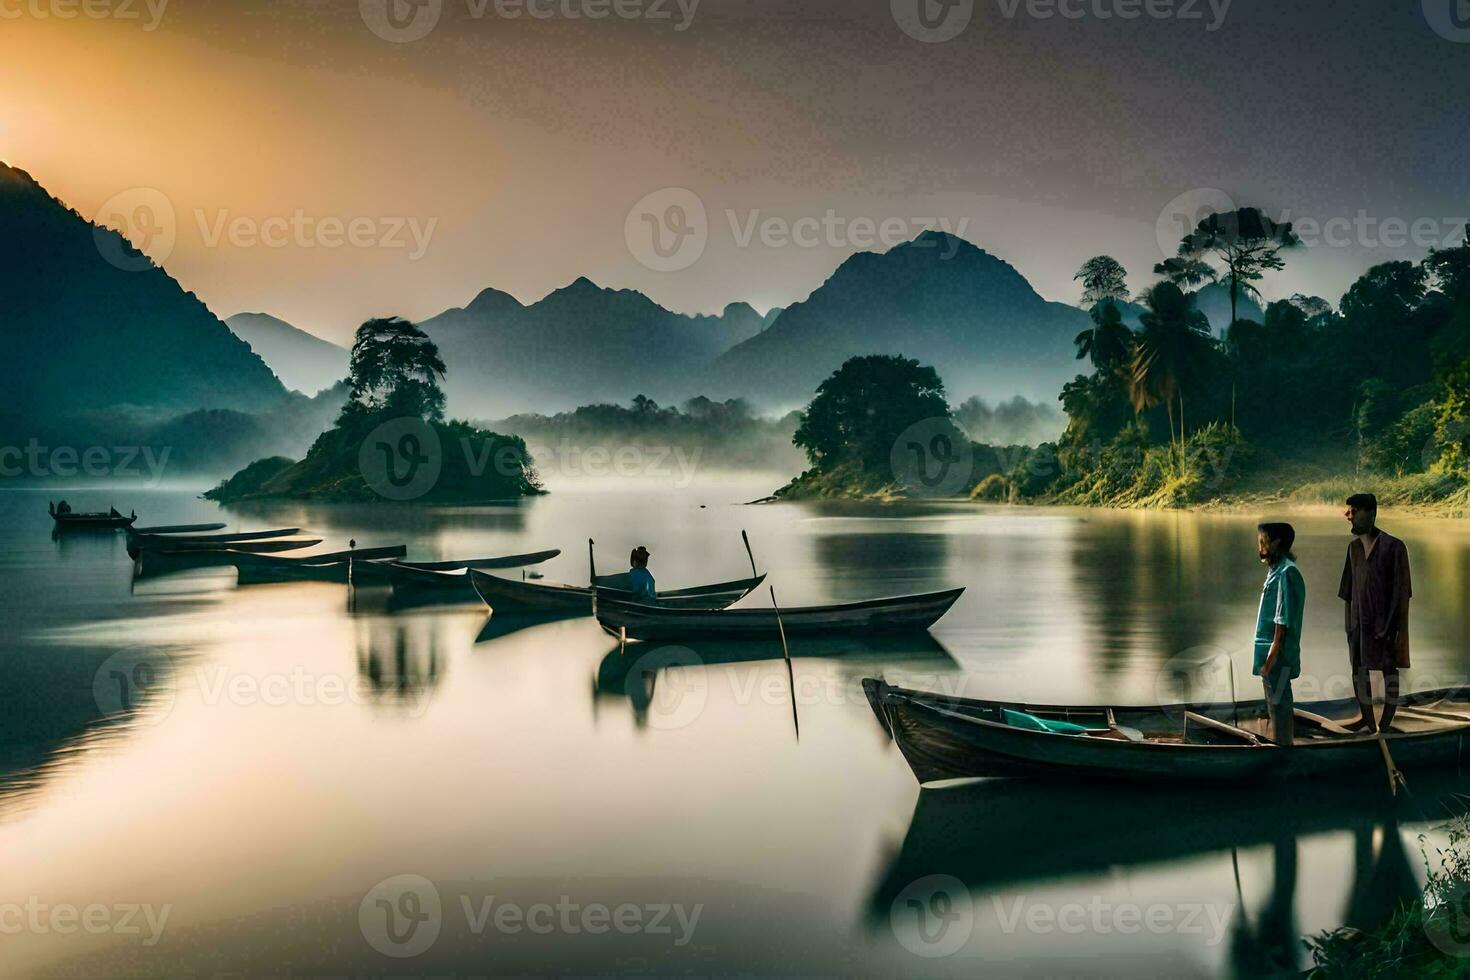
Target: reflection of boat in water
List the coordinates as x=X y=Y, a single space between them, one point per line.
x=400 y=661
x=632 y=673
x=995 y=835
x=946 y=737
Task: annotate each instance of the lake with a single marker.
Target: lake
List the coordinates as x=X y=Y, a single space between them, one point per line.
x=198 y=778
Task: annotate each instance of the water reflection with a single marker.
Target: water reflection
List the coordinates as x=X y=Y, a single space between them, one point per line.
x=400 y=659
x=997 y=836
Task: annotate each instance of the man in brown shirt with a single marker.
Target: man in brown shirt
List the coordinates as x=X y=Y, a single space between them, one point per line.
x=1376 y=587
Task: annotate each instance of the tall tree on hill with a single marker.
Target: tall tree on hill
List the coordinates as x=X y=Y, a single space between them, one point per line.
x=1246 y=243
x=395 y=367
x=1108 y=342
x=1103 y=278
x=1187 y=273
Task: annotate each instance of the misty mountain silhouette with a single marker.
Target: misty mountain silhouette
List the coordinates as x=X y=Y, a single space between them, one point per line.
x=582 y=343
x=939 y=299
x=302 y=360
x=91 y=324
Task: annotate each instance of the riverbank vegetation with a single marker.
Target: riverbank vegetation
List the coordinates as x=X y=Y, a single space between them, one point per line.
x=390 y=440
x=1311 y=402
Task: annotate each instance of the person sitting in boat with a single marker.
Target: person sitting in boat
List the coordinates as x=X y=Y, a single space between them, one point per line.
x=640 y=579
x=1278 y=645
x=63 y=508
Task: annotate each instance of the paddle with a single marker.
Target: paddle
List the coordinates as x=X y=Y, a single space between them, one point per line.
x=785 y=652
x=1395 y=778
x=749 y=554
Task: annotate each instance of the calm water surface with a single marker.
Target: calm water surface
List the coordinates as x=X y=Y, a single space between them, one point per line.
x=259 y=761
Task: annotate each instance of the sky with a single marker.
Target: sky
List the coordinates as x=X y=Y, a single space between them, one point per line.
x=332 y=160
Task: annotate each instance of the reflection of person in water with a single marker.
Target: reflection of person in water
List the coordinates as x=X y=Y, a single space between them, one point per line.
x=1383 y=881
x=1273 y=946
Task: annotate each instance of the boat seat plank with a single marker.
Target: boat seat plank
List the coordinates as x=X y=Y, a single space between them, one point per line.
x=1219 y=728
x=1318 y=721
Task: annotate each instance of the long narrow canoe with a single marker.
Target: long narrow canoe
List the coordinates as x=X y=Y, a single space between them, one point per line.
x=901 y=614
x=440 y=575
x=184 y=542
x=336 y=566
x=180 y=528
x=944 y=737
x=157 y=561
x=507 y=595
x=268 y=546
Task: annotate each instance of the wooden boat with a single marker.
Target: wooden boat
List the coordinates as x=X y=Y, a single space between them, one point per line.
x=158 y=561
x=71 y=519
x=901 y=614
x=179 y=528
x=336 y=566
x=944 y=737
x=449 y=576
x=504 y=595
x=268 y=546
x=183 y=542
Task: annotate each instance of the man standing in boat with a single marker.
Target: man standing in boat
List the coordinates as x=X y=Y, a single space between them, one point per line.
x=1278 y=646
x=1376 y=586
x=640 y=579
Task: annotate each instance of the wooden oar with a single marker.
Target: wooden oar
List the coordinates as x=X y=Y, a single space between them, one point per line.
x=749 y=554
x=1395 y=778
x=785 y=652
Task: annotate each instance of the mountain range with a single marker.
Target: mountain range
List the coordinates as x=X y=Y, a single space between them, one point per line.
x=301 y=360
x=92 y=325
x=93 y=337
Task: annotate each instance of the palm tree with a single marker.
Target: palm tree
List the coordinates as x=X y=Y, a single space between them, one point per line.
x=1186 y=273
x=1108 y=342
x=1172 y=342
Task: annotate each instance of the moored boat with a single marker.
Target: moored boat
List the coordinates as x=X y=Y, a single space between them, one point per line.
x=336 y=566
x=138 y=541
x=66 y=519
x=179 y=528
x=504 y=595
x=156 y=561
x=900 y=614
x=946 y=737
x=440 y=575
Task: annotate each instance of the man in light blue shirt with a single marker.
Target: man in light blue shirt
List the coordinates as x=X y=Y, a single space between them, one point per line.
x=640 y=579
x=1278 y=645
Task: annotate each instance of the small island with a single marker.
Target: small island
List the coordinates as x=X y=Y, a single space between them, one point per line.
x=391 y=441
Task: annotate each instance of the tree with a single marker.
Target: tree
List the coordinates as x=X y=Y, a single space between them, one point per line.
x=1246 y=242
x=864 y=406
x=395 y=367
x=1103 y=278
x=1172 y=345
x=1108 y=342
x=1186 y=273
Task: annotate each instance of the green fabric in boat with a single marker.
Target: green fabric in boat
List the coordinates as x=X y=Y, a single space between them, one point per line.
x=1019 y=719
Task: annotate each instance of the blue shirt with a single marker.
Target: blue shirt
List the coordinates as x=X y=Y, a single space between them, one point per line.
x=1283 y=603
x=641 y=581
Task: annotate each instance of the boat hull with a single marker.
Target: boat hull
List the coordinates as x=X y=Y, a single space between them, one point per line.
x=945 y=738
x=901 y=614
x=510 y=595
